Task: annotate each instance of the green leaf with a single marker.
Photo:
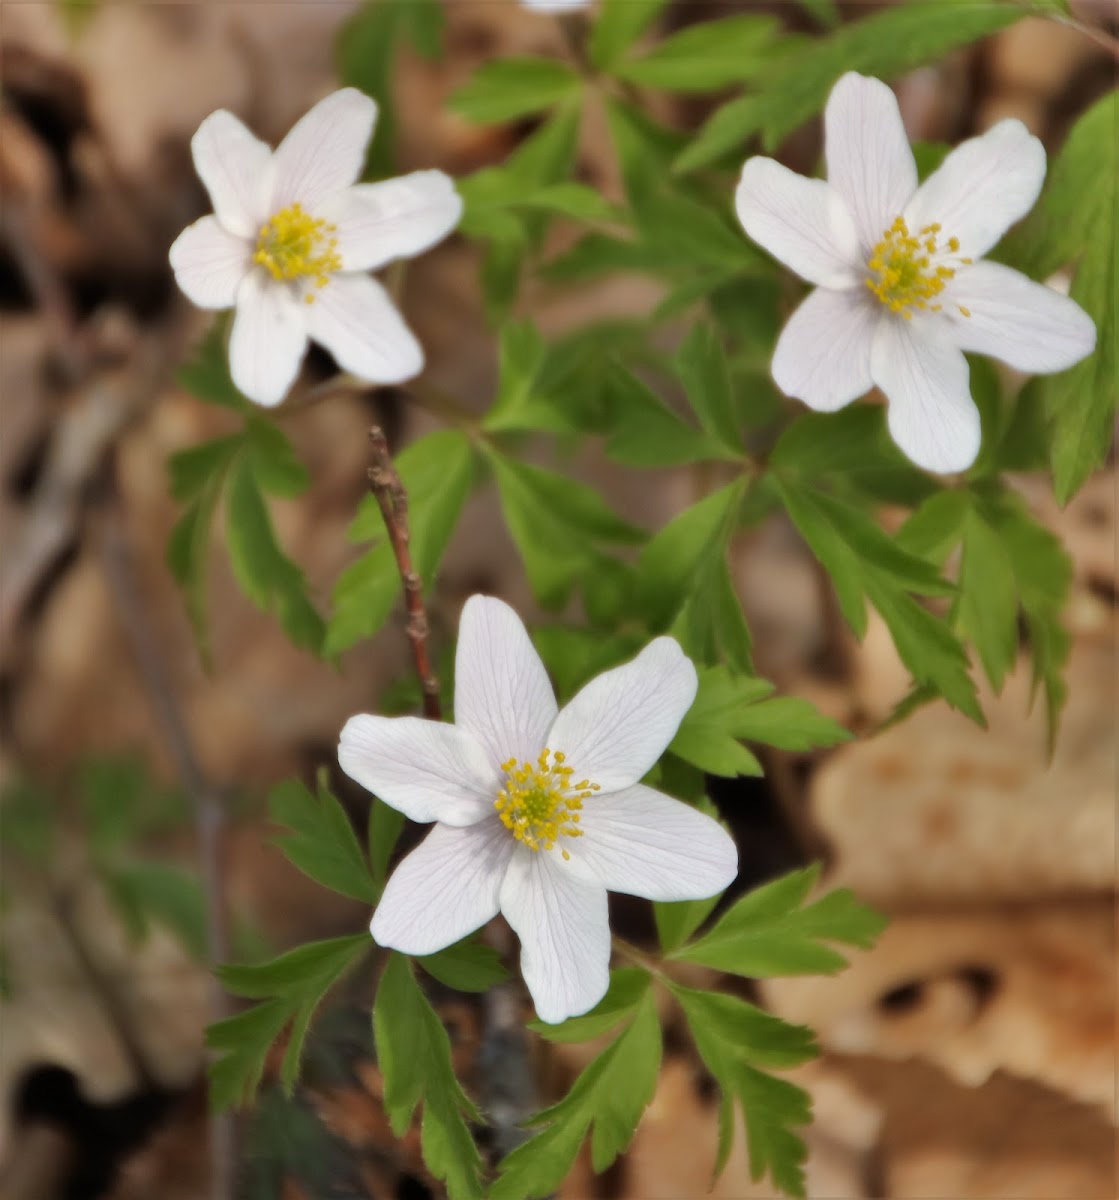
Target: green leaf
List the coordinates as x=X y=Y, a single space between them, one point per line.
x=291 y=988
x=195 y=469
x=726 y=1027
x=466 y=966
x=206 y=373
x=147 y=893
x=886 y=45
x=711 y=626
x=669 y=561
x=772 y=1108
x=935 y=528
x=618 y=25
x=366 y=51
x=768 y=932
x=385 y=825
x=437 y=473
x=644 y=432
x=988 y=606
x=607 y=1099
x=266 y=575
x=274 y=461
x=309 y=969
x=27 y=818
x=188 y=555
x=557 y=524
x=574 y=655
x=242 y=1044
x=729 y=708
x=321 y=841
x=414 y=1054
x=702 y=366
x=706 y=56
x=677 y=920
x=628 y=986
x=504 y=89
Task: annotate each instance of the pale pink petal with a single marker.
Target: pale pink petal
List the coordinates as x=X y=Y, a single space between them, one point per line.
x=324 y=150
x=803 y=223
x=269 y=339
x=502 y=693
x=564 y=929
x=823 y=353
x=235 y=167
x=931 y=414
x=869 y=160
x=399 y=218
x=619 y=724
x=646 y=844
x=427 y=770
x=353 y=317
x=209 y=263
x=981 y=188
x=1024 y=324
x=446 y=888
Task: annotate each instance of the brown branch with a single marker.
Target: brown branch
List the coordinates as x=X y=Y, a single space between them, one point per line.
x=205 y=801
x=384 y=483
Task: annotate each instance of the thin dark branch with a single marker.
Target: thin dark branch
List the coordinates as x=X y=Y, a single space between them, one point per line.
x=384 y=483
x=206 y=803
x=62 y=906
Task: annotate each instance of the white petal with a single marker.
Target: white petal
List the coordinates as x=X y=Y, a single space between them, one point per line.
x=981 y=188
x=268 y=340
x=398 y=218
x=502 y=693
x=425 y=769
x=803 y=223
x=324 y=151
x=235 y=167
x=869 y=160
x=931 y=414
x=209 y=263
x=823 y=353
x=1025 y=324
x=356 y=321
x=555 y=5
x=618 y=725
x=445 y=889
x=646 y=844
x=564 y=927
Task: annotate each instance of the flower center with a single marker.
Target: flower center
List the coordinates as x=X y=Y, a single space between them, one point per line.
x=539 y=803
x=908 y=271
x=294 y=245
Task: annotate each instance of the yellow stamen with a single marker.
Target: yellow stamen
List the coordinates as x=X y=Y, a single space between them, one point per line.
x=902 y=274
x=539 y=804
x=294 y=245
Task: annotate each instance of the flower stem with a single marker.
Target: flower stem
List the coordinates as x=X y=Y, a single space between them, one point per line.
x=385 y=484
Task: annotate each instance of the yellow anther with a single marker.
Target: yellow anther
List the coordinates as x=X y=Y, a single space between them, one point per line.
x=903 y=273
x=294 y=245
x=538 y=805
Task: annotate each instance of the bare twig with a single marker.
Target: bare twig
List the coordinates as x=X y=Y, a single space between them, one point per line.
x=62 y=907
x=206 y=803
x=384 y=483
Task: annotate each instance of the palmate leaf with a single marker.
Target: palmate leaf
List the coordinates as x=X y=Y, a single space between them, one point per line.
x=731 y=708
x=320 y=840
x=706 y=56
x=290 y=989
x=414 y=1054
x=559 y=525
x=507 y=88
x=606 y=1100
x=885 y=44
x=865 y=563
x=618 y=25
x=771 y=931
x=467 y=966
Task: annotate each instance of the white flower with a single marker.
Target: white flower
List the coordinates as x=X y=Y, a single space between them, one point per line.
x=556 y=5
x=901 y=292
x=538 y=812
x=291 y=236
